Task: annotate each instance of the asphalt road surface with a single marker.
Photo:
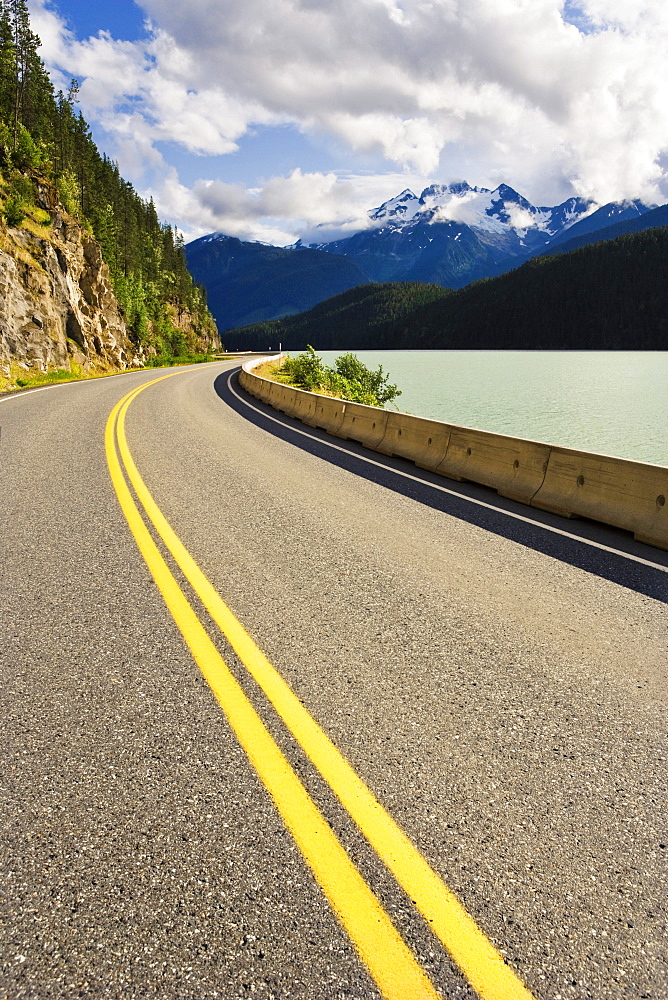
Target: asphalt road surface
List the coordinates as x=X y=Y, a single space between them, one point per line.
x=489 y=816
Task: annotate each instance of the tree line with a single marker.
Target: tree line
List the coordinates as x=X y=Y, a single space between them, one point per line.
x=43 y=135
x=363 y=318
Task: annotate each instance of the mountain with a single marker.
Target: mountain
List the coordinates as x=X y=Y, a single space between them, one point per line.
x=608 y=296
x=89 y=276
x=602 y=218
x=455 y=234
x=634 y=224
x=450 y=235
x=502 y=211
x=57 y=304
x=250 y=282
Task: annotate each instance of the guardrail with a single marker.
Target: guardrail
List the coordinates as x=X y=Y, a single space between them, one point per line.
x=615 y=491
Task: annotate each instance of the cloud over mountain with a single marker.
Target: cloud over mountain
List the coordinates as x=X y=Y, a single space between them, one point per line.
x=560 y=98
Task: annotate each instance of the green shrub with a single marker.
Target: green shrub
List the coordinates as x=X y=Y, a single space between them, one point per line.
x=306 y=370
x=5 y=145
x=13 y=211
x=27 y=155
x=23 y=187
x=373 y=383
x=349 y=379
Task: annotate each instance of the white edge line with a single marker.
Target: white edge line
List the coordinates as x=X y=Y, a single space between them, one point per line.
x=452 y=493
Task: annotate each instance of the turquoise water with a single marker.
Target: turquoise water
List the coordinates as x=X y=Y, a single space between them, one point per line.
x=612 y=402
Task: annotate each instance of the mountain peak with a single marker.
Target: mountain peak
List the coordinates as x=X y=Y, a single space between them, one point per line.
x=437 y=192
x=403 y=208
x=506 y=193
x=451 y=235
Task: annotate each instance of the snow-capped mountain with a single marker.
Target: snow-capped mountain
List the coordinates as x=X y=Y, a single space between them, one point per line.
x=453 y=234
x=401 y=210
x=490 y=211
x=607 y=215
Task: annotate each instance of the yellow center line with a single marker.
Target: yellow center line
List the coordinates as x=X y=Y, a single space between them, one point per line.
x=383 y=951
x=473 y=952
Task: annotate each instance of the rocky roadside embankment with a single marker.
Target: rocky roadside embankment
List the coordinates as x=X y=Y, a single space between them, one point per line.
x=57 y=304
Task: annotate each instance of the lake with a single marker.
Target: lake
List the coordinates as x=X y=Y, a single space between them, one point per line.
x=612 y=402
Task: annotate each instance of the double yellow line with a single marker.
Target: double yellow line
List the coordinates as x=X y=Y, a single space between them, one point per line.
x=383 y=951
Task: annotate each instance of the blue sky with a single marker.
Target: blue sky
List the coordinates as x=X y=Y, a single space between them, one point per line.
x=280 y=119
x=123 y=18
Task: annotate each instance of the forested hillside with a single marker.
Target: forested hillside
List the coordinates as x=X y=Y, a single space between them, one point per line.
x=48 y=158
x=363 y=317
x=605 y=296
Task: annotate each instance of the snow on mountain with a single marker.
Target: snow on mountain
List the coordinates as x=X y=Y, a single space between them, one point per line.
x=451 y=235
x=499 y=211
x=598 y=218
x=563 y=216
x=455 y=233
x=401 y=209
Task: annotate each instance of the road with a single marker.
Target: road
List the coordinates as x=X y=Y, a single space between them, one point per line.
x=349 y=731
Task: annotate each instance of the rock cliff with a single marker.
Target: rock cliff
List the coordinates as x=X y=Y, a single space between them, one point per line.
x=57 y=304
x=56 y=301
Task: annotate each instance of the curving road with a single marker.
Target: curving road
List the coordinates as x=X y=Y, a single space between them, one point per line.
x=492 y=680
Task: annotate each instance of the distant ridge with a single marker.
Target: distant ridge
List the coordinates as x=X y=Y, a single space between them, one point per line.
x=602 y=218
x=606 y=296
x=654 y=218
x=370 y=313
x=251 y=282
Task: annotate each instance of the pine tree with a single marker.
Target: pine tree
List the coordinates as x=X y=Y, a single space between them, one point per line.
x=7 y=62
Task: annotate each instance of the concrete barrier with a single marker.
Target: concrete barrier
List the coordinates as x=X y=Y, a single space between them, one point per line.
x=304 y=408
x=615 y=491
x=273 y=393
x=418 y=439
x=329 y=414
x=253 y=384
x=365 y=424
x=289 y=399
x=629 y=495
x=512 y=466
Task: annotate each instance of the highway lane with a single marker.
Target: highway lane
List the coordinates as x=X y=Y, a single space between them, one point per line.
x=504 y=704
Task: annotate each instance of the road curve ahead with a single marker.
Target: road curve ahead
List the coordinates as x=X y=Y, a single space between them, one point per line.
x=285 y=718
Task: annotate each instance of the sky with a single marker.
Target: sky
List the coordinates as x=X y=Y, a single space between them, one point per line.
x=278 y=120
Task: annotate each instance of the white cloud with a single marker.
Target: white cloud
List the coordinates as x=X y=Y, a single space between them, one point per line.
x=494 y=90
x=281 y=211
x=520 y=217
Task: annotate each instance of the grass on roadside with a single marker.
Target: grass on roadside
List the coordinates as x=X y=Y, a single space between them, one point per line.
x=273 y=370
x=170 y=360
x=20 y=378
x=47 y=378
